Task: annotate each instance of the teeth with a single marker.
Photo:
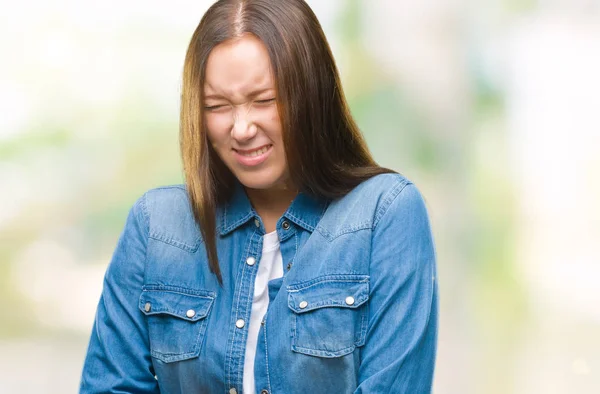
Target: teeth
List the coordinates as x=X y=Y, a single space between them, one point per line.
x=256 y=152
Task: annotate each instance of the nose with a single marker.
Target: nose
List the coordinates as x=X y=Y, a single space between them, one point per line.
x=243 y=128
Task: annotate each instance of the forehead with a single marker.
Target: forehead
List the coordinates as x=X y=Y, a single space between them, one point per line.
x=238 y=67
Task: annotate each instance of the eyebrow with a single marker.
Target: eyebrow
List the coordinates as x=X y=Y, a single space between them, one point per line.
x=251 y=95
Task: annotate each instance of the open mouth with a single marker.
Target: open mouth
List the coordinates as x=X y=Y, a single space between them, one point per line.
x=254 y=153
x=253 y=157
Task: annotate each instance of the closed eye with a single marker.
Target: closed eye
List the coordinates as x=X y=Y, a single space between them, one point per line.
x=265 y=101
x=213 y=107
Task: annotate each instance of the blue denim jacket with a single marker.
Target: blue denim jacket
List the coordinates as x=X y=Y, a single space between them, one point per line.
x=355 y=312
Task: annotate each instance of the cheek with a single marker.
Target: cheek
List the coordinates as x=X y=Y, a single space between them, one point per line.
x=274 y=129
x=217 y=133
x=276 y=121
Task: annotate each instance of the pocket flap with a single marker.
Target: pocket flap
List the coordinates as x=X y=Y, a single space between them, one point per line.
x=347 y=291
x=188 y=306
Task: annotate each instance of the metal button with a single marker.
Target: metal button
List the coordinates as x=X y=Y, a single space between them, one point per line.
x=303 y=304
x=264 y=392
x=232 y=390
x=240 y=323
x=257 y=224
x=147 y=307
x=350 y=300
x=285 y=225
x=250 y=261
x=190 y=313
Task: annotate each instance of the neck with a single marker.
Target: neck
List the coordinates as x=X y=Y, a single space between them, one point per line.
x=271 y=204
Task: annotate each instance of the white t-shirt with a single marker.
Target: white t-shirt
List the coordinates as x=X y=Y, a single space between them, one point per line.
x=270 y=267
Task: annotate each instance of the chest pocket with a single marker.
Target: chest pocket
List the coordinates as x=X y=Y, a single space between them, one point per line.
x=329 y=316
x=176 y=319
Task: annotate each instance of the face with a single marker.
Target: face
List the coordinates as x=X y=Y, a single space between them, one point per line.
x=241 y=115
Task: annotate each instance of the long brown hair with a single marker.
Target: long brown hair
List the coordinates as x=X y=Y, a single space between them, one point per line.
x=325 y=150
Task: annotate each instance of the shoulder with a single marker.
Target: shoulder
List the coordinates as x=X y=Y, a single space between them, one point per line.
x=395 y=195
x=165 y=197
x=169 y=216
x=367 y=203
x=380 y=189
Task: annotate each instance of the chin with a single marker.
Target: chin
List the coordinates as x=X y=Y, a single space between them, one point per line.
x=258 y=185
x=260 y=182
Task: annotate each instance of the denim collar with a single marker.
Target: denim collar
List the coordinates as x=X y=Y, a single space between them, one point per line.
x=305 y=211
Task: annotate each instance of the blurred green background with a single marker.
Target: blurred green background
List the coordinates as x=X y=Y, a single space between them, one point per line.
x=490 y=107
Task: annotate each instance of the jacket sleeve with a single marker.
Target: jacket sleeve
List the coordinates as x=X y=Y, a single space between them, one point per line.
x=400 y=347
x=118 y=357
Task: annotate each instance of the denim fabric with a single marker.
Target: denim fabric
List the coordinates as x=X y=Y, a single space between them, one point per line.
x=355 y=312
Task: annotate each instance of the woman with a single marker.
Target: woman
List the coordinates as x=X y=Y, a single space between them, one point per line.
x=289 y=262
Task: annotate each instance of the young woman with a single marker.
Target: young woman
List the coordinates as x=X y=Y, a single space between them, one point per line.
x=290 y=262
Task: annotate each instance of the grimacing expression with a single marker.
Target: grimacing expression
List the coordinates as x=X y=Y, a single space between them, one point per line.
x=241 y=115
